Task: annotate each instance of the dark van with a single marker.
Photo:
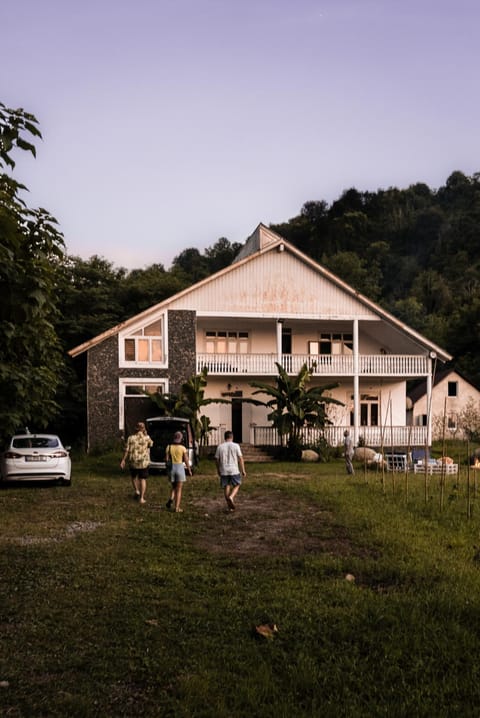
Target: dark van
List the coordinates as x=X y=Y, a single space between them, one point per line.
x=161 y=430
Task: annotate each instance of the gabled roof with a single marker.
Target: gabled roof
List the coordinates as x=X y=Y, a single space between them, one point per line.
x=420 y=389
x=260 y=243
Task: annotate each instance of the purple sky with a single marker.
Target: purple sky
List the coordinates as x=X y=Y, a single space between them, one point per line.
x=168 y=124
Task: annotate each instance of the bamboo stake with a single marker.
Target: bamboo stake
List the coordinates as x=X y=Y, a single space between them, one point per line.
x=429 y=412
x=391 y=444
x=442 y=474
x=469 y=507
x=409 y=448
x=384 y=426
x=426 y=470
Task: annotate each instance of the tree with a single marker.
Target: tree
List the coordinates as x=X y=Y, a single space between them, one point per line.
x=294 y=405
x=221 y=254
x=89 y=291
x=142 y=288
x=469 y=420
x=31 y=249
x=191 y=265
x=363 y=276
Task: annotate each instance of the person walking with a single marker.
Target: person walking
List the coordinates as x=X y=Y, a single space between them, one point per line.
x=230 y=468
x=137 y=451
x=177 y=454
x=348 y=448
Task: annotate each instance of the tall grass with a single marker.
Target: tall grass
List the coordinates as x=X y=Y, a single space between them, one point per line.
x=108 y=608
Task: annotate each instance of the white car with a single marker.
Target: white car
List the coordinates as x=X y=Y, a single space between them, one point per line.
x=30 y=457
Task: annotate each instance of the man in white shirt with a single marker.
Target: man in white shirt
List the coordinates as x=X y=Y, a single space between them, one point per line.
x=230 y=468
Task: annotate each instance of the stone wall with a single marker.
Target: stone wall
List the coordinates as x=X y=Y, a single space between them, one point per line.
x=181 y=347
x=102 y=394
x=103 y=374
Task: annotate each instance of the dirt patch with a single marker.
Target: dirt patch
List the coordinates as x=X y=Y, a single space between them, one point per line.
x=269 y=524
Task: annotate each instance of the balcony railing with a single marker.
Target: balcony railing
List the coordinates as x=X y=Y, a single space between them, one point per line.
x=389 y=365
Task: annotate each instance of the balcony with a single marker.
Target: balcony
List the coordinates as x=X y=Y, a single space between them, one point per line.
x=334 y=365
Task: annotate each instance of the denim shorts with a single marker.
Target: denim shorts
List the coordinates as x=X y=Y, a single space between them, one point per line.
x=177 y=473
x=230 y=480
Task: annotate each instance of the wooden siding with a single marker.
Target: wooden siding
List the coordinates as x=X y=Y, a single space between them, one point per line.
x=276 y=284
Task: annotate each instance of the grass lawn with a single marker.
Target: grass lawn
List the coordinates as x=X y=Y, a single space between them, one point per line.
x=110 y=609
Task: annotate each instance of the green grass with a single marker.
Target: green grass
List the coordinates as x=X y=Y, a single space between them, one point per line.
x=108 y=608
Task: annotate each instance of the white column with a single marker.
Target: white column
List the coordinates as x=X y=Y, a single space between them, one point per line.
x=356 y=385
x=429 y=403
x=279 y=340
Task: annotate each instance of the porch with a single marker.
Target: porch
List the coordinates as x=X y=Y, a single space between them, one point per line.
x=338 y=365
x=376 y=437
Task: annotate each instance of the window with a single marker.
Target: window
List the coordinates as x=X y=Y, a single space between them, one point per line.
x=369 y=410
x=337 y=343
x=134 y=389
x=286 y=340
x=142 y=389
x=226 y=342
x=452 y=388
x=452 y=422
x=145 y=346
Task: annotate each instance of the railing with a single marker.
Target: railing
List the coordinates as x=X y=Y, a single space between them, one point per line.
x=389 y=365
x=372 y=436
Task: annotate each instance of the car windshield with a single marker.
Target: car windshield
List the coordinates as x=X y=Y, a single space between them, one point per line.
x=35 y=442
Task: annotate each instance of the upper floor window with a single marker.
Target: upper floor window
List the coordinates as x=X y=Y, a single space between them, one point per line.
x=226 y=342
x=453 y=388
x=145 y=345
x=332 y=343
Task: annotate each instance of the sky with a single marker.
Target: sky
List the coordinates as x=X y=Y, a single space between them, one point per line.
x=168 y=124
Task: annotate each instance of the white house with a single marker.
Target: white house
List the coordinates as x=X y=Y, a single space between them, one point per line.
x=450 y=395
x=272 y=304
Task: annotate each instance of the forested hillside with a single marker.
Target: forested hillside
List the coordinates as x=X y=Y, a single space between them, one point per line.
x=415 y=251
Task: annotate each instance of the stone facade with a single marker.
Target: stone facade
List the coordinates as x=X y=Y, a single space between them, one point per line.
x=102 y=393
x=103 y=374
x=181 y=347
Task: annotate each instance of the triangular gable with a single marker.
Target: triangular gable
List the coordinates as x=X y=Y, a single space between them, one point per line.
x=420 y=389
x=260 y=239
x=277 y=284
